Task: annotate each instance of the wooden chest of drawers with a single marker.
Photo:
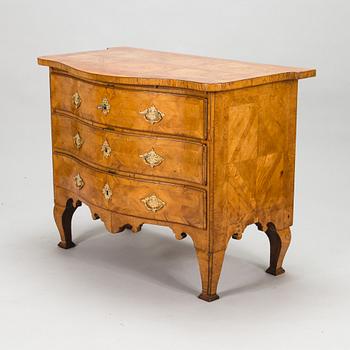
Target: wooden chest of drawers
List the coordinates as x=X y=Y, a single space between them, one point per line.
x=204 y=146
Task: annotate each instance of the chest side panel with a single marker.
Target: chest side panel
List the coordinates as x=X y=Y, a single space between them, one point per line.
x=254 y=155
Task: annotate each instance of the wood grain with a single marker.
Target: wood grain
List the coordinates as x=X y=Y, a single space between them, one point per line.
x=227 y=136
x=182 y=160
x=256 y=150
x=141 y=67
x=184 y=204
x=183 y=115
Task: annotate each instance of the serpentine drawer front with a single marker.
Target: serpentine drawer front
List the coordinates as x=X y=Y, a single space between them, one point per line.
x=204 y=146
x=172 y=203
x=135 y=109
x=139 y=154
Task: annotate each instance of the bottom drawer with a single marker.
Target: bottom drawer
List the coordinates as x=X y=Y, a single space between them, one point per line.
x=147 y=199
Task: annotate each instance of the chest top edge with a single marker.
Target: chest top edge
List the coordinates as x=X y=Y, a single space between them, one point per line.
x=133 y=66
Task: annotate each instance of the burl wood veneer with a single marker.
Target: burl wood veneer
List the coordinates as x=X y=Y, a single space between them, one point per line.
x=205 y=146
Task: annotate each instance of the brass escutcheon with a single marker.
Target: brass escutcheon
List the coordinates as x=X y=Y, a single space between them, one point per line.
x=104 y=106
x=77 y=140
x=106 y=149
x=107 y=192
x=79 y=182
x=76 y=100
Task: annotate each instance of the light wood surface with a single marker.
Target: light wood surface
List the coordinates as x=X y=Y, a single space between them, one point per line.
x=183 y=204
x=181 y=159
x=256 y=150
x=225 y=132
x=184 y=115
x=126 y=65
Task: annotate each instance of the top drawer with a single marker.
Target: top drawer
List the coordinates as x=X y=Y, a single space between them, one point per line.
x=155 y=112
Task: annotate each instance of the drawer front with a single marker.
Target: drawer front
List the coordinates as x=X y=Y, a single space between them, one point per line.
x=157 y=201
x=154 y=156
x=131 y=109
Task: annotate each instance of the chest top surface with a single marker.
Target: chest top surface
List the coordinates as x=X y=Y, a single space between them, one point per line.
x=124 y=65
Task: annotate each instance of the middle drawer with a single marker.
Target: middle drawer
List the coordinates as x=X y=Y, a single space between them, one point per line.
x=148 y=155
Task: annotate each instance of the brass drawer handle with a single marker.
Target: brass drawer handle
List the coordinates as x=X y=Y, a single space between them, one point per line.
x=153 y=203
x=151 y=158
x=106 y=149
x=152 y=115
x=78 y=141
x=76 y=100
x=107 y=192
x=79 y=182
x=104 y=106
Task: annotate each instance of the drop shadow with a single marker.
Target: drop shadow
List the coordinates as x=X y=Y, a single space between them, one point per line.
x=259 y=284
x=155 y=255
x=89 y=234
x=150 y=254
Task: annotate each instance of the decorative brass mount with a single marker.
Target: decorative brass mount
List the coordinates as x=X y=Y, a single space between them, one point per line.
x=152 y=114
x=153 y=203
x=151 y=158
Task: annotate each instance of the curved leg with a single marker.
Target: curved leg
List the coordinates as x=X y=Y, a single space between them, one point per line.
x=63 y=217
x=279 y=243
x=210 y=268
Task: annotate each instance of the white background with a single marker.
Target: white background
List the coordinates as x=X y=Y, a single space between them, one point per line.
x=139 y=291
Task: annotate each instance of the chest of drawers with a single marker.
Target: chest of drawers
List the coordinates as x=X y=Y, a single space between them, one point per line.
x=204 y=146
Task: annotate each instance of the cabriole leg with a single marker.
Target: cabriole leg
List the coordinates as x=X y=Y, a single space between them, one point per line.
x=279 y=243
x=63 y=218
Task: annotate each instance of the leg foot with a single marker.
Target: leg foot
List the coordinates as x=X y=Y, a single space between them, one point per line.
x=279 y=243
x=210 y=264
x=207 y=297
x=63 y=217
x=66 y=245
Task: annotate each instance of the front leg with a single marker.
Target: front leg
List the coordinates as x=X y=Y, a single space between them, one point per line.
x=279 y=243
x=63 y=218
x=210 y=264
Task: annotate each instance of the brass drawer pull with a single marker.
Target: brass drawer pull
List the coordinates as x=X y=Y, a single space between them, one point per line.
x=79 y=182
x=106 y=149
x=107 y=192
x=78 y=141
x=152 y=115
x=153 y=203
x=151 y=158
x=76 y=100
x=104 y=106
